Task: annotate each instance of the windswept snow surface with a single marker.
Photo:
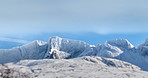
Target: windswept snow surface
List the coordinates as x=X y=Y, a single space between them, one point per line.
x=84 y=67
x=59 y=48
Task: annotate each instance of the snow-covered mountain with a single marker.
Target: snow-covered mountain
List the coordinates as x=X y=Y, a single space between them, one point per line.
x=34 y=50
x=144 y=48
x=59 y=48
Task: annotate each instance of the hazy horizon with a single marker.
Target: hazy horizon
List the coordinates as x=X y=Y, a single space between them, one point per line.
x=78 y=19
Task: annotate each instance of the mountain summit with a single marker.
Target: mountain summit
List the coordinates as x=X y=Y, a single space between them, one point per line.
x=60 y=48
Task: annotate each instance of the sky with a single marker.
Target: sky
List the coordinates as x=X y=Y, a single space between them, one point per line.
x=101 y=19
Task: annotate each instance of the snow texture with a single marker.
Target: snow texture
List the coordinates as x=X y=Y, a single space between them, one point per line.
x=59 y=48
x=84 y=67
x=34 y=50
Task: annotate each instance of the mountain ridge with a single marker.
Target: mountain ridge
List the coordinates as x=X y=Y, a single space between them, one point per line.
x=60 y=48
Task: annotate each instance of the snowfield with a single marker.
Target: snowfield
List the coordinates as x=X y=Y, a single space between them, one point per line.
x=83 y=67
x=65 y=58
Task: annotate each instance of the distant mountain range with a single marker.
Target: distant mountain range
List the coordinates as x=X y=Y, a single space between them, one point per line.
x=8 y=44
x=59 y=48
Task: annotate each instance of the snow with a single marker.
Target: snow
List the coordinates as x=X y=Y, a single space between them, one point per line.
x=72 y=47
x=34 y=50
x=144 y=48
x=15 y=71
x=107 y=50
x=121 y=43
x=82 y=67
x=59 y=48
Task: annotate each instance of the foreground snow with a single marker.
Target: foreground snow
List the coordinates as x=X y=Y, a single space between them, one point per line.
x=84 y=67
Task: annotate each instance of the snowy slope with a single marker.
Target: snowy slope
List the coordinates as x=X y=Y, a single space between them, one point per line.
x=144 y=48
x=34 y=50
x=127 y=52
x=59 y=48
x=71 y=48
x=84 y=67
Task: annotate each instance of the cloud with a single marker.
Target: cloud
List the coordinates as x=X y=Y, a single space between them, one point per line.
x=99 y=16
x=14 y=40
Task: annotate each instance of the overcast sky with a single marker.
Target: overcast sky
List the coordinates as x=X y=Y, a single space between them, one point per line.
x=54 y=16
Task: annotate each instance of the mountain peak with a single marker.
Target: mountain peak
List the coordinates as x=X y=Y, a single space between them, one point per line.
x=57 y=47
x=124 y=43
x=40 y=43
